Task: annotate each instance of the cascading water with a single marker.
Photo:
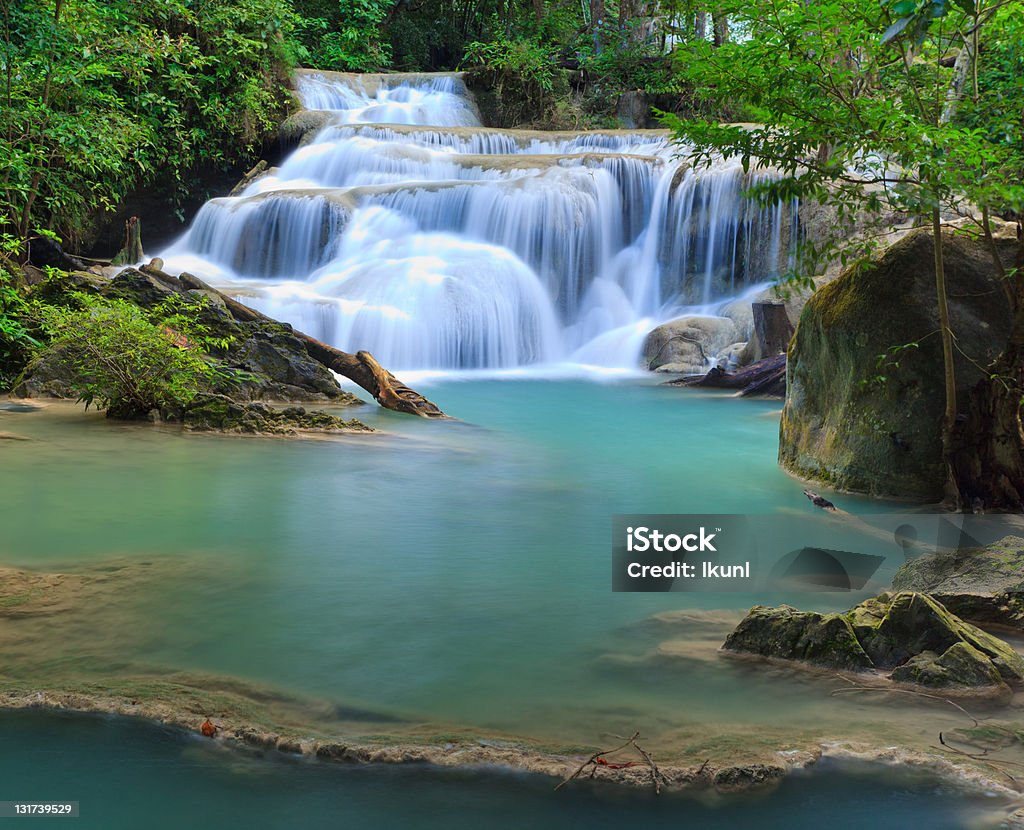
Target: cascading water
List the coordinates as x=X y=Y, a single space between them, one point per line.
x=407 y=229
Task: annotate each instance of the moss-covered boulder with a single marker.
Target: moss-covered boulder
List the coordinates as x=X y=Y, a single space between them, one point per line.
x=960 y=665
x=984 y=584
x=910 y=634
x=822 y=639
x=864 y=383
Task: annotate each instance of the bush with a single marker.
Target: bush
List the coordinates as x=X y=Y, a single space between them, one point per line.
x=124 y=361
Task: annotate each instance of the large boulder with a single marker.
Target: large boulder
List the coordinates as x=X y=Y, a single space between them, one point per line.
x=865 y=392
x=982 y=584
x=908 y=634
x=688 y=344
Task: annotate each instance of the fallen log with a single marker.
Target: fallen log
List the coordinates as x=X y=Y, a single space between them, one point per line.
x=766 y=377
x=361 y=367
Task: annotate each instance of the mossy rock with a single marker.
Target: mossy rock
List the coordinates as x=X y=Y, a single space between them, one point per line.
x=865 y=427
x=984 y=584
x=222 y=414
x=822 y=639
x=916 y=623
x=960 y=665
x=909 y=633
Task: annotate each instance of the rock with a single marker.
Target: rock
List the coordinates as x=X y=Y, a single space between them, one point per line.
x=300 y=128
x=632 y=109
x=48 y=376
x=821 y=639
x=729 y=358
x=751 y=775
x=914 y=623
x=222 y=414
x=960 y=665
x=909 y=633
x=688 y=344
x=981 y=584
x=843 y=405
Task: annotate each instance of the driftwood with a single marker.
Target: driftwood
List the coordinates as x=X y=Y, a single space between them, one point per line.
x=766 y=377
x=598 y=760
x=360 y=367
x=258 y=170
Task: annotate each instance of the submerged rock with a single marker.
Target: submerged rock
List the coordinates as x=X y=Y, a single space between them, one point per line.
x=222 y=414
x=910 y=634
x=982 y=584
x=688 y=344
x=864 y=386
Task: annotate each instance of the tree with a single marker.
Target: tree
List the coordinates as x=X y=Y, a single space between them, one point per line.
x=858 y=110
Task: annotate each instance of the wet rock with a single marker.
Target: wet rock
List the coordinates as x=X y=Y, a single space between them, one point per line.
x=981 y=584
x=960 y=665
x=300 y=128
x=222 y=414
x=751 y=775
x=688 y=344
x=909 y=633
x=843 y=406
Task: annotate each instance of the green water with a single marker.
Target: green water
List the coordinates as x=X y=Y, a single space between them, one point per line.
x=454 y=572
x=125 y=774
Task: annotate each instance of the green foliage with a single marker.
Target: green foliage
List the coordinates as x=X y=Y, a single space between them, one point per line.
x=849 y=119
x=344 y=35
x=121 y=360
x=100 y=96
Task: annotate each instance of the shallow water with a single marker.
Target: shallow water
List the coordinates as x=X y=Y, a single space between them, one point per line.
x=123 y=773
x=442 y=572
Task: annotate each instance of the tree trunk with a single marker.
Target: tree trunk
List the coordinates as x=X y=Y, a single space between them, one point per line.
x=721 y=29
x=990 y=456
x=131 y=251
x=360 y=367
x=597 y=13
x=948 y=367
x=700 y=26
x=989 y=460
x=772 y=328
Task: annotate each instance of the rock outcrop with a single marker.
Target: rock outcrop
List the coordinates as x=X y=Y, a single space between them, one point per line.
x=864 y=384
x=908 y=634
x=984 y=584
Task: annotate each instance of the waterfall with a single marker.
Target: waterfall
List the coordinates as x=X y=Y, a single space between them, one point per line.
x=407 y=229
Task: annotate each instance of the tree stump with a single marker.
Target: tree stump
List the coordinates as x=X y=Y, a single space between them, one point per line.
x=772 y=329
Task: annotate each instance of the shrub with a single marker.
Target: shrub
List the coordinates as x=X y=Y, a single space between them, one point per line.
x=121 y=360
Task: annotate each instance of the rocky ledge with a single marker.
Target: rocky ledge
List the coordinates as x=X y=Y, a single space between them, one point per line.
x=910 y=636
